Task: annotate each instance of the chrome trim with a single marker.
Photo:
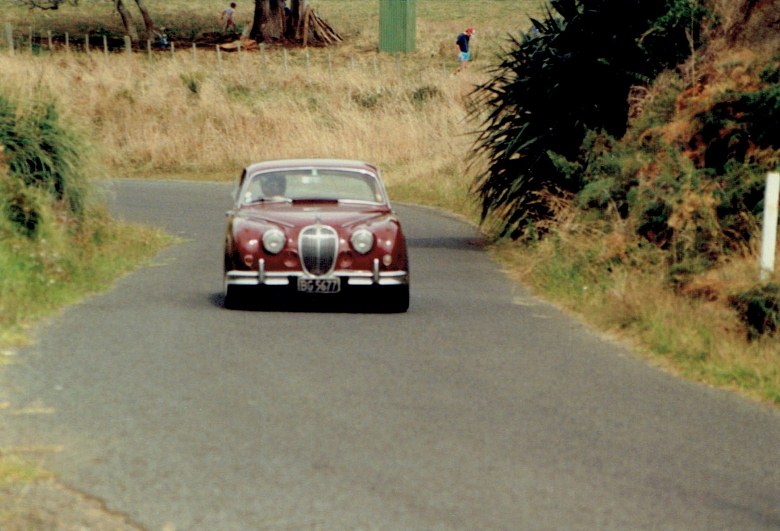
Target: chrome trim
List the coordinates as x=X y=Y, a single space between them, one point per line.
x=318 y=247
x=283 y=278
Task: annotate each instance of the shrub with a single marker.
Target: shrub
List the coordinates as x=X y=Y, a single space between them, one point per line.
x=737 y=126
x=40 y=153
x=759 y=309
x=568 y=76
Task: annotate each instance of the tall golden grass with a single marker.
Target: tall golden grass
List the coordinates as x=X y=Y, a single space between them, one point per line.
x=199 y=116
x=204 y=115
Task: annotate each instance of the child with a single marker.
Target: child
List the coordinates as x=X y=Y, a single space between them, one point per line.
x=462 y=42
x=227 y=16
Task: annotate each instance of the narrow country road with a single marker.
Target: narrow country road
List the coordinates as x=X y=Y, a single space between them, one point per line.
x=480 y=408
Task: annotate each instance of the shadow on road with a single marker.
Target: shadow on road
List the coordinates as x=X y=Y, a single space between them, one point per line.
x=295 y=303
x=475 y=244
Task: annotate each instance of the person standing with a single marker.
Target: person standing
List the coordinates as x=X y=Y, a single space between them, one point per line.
x=464 y=53
x=227 y=16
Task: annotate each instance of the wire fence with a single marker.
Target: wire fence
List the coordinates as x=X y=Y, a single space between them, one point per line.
x=43 y=42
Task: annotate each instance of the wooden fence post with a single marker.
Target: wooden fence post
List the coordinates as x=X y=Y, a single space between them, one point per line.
x=9 y=36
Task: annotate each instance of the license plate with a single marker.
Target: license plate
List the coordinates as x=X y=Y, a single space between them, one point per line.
x=319 y=285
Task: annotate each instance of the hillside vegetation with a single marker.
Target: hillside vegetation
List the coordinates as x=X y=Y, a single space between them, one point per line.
x=651 y=229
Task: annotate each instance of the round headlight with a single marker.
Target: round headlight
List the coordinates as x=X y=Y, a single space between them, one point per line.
x=273 y=241
x=362 y=241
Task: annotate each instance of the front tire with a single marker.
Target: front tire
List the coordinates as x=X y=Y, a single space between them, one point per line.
x=234 y=297
x=396 y=299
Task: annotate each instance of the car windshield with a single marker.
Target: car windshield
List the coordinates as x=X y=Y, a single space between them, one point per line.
x=314 y=184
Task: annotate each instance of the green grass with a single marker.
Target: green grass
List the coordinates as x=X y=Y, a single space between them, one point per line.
x=37 y=279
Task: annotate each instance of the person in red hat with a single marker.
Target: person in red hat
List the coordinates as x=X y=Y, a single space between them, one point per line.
x=462 y=42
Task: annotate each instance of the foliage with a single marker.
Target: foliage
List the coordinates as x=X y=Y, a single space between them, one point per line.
x=45 y=4
x=39 y=153
x=759 y=309
x=570 y=74
x=737 y=125
x=54 y=243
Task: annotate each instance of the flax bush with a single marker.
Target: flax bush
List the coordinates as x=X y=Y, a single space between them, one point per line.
x=569 y=75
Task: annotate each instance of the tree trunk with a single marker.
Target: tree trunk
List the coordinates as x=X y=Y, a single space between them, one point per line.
x=256 y=32
x=127 y=20
x=272 y=22
x=148 y=23
x=268 y=23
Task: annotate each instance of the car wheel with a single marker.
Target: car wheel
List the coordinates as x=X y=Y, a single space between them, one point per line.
x=397 y=299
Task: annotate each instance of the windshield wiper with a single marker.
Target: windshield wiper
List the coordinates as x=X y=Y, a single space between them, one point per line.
x=269 y=200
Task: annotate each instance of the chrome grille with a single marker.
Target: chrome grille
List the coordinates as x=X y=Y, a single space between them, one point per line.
x=318 y=245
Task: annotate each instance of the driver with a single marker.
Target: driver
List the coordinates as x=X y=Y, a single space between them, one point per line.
x=273 y=185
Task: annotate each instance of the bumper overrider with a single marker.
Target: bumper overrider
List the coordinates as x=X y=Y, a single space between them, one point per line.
x=261 y=277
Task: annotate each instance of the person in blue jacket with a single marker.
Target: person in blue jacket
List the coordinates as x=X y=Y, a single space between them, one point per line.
x=464 y=54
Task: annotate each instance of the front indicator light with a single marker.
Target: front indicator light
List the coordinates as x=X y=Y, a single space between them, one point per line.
x=273 y=241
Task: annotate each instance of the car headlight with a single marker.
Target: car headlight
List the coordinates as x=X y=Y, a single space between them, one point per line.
x=362 y=241
x=273 y=241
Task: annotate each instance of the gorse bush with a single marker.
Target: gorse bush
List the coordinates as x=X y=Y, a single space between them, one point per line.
x=570 y=74
x=740 y=125
x=759 y=309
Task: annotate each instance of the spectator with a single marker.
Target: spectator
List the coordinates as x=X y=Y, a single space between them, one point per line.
x=227 y=16
x=464 y=54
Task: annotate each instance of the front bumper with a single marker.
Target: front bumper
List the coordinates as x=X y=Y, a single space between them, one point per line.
x=261 y=277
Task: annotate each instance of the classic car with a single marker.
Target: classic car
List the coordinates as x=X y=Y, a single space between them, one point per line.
x=314 y=228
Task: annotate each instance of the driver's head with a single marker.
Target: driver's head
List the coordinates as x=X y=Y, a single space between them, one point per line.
x=273 y=185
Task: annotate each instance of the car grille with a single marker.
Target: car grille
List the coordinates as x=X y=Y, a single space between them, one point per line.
x=318 y=245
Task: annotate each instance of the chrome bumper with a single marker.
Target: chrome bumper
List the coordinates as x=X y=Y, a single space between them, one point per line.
x=261 y=277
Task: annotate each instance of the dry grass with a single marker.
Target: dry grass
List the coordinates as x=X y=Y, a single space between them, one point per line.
x=203 y=118
x=621 y=288
x=205 y=115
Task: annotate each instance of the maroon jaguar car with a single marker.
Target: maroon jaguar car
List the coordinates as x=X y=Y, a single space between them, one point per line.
x=315 y=228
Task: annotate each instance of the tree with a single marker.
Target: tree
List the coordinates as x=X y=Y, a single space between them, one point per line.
x=127 y=20
x=46 y=4
x=272 y=22
x=124 y=14
x=268 y=23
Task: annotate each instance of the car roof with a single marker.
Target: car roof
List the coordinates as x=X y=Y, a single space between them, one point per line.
x=345 y=164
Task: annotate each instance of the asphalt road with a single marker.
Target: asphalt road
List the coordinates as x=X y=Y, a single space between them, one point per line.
x=480 y=408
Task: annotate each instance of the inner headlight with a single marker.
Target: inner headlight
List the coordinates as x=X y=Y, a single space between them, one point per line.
x=273 y=241
x=362 y=241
